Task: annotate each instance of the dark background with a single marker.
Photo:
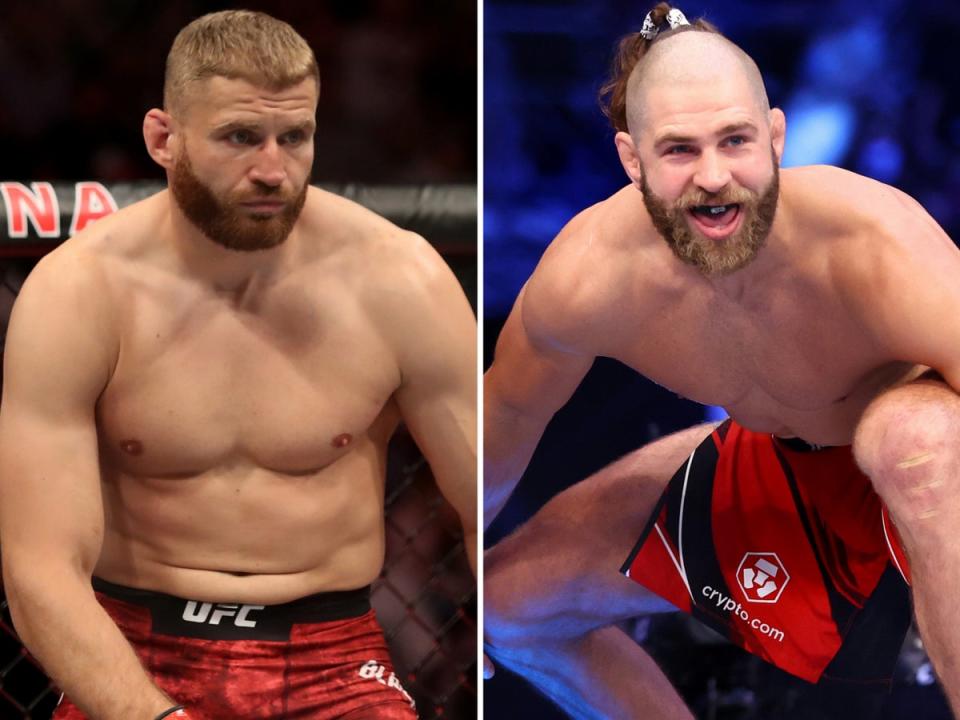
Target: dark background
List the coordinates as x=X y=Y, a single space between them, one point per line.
x=397 y=103
x=870 y=86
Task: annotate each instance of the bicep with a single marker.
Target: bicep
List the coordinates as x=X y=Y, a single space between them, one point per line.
x=438 y=392
x=528 y=376
x=50 y=504
x=911 y=303
x=931 y=316
x=54 y=369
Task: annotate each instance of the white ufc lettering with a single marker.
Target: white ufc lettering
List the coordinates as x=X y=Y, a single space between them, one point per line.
x=222 y=611
x=201 y=613
x=241 y=620
x=196 y=612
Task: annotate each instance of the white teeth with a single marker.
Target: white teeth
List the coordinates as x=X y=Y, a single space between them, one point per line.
x=719 y=210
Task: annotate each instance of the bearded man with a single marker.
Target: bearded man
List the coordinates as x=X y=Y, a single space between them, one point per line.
x=819 y=308
x=199 y=391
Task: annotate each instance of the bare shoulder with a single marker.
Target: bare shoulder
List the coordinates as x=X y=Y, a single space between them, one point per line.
x=86 y=259
x=377 y=259
x=67 y=282
x=572 y=295
x=62 y=329
x=73 y=288
x=882 y=240
x=832 y=198
x=327 y=212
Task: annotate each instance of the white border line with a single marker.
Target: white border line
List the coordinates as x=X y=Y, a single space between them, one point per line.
x=479 y=682
x=893 y=554
x=676 y=564
x=683 y=498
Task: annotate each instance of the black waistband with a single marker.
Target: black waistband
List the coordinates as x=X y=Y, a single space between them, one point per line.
x=238 y=621
x=800 y=445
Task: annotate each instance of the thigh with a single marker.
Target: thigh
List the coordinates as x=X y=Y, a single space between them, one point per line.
x=559 y=573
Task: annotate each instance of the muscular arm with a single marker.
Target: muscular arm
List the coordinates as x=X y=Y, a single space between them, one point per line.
x=527 y=383
x=908 y=292
x=58 y=358
x=435 y=333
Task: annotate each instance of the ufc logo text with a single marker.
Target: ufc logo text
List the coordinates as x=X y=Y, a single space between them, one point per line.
x=213 y=613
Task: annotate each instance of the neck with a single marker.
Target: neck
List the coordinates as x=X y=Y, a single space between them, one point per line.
x=741 y=285
x=220 y=269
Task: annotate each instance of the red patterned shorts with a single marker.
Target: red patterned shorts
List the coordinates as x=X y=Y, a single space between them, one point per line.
x=320 y=657
x=786 y=550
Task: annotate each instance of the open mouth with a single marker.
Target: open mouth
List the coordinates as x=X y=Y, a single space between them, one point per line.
x=716 y=221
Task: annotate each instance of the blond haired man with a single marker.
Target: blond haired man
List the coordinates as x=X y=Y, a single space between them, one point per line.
x=199 y=394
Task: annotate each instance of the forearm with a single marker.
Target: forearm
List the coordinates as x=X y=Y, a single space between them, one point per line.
x=83 y=651
x=509 y=441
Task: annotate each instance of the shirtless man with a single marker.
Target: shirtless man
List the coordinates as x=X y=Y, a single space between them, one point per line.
x=807 y=305
x=199 y=393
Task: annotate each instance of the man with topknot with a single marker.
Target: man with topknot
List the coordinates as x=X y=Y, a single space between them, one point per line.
x=820 y=309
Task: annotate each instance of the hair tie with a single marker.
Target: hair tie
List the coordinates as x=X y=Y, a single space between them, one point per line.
x=674 y=19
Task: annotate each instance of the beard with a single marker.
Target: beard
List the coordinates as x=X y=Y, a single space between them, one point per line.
x=715 y=258
x=224 y=220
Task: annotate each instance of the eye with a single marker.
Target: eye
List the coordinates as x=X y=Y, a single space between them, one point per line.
x=736 y=140
x=294 y=137
x=678 y=149
x=242 y=137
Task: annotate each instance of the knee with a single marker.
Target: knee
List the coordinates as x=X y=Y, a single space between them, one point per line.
x=908 y=442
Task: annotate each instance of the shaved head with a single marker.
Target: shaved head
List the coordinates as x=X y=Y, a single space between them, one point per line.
x=690 y=58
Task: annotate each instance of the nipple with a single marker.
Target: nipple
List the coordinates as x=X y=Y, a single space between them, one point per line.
x=132 y=447
x=342 y=440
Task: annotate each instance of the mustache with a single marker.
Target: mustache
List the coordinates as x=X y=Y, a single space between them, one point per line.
x=265 y=192
x=728 y=196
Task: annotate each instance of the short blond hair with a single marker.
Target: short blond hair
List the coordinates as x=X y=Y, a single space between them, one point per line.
x=237 y=44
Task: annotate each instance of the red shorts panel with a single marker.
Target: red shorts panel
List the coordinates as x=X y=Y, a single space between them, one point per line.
x=319 y=670
x=785 y=550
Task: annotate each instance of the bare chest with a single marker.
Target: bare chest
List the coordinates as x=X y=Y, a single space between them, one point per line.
x=801 y=366
x=204 y=385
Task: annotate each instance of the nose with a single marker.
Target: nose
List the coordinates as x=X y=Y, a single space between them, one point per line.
x=712 y=173
x=267 y=168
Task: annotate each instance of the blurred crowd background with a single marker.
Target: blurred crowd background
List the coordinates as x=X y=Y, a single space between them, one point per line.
x=398 y=97
x=398 y=106
x=869 y=86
